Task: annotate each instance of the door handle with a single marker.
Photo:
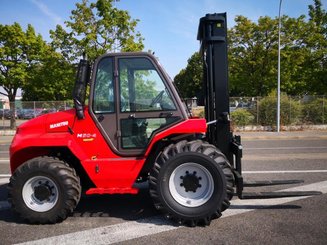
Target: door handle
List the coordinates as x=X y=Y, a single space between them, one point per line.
x=165 y=114
x=132 y=116
x=100 y=118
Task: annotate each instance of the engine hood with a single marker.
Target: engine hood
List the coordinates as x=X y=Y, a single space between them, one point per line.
x=60 y=121
x=32 y=126
x=49 y=123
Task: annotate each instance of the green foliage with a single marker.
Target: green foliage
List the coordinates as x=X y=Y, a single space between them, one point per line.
x=95 y=29
x=315 y=111
x=242 y=117
x=290 y=111
x=253 y=55
x=198 y=111
x=144 y=85
x=316 y=43
x=189 y=80
x=201 y=114
x=254 y=49
x=51 y=80
x=20 y=52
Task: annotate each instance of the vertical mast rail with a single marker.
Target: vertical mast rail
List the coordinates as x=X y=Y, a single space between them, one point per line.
x=212 y=34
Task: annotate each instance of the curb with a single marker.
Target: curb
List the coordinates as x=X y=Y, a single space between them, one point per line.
x=7 y=132
x=294 y=128
x=275 y=137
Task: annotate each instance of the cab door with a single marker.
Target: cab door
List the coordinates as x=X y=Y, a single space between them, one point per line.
x=131 y=101
x=146 y=104
x=103 y=102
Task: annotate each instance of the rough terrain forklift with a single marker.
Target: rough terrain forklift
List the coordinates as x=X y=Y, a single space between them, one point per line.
x=135 y=127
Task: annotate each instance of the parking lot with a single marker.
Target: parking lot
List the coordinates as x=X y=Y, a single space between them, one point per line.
x=132 y=219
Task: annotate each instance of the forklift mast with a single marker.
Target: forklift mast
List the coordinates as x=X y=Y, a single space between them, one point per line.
x=212 y=34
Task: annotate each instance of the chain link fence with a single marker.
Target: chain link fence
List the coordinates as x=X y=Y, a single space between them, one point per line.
x=294 y=110
x=26 y=110
x=262 y=111
x=245 y=111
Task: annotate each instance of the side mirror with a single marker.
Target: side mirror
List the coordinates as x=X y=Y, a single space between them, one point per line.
x=79 y=93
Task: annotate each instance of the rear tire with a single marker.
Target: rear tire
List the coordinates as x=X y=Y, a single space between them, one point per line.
x=44 y=190
x=191 y=182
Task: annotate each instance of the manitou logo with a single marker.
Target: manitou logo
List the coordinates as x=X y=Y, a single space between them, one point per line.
x=58 y=125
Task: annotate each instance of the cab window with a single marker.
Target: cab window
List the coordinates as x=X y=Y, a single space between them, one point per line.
x=141 y=87
x=104 y=99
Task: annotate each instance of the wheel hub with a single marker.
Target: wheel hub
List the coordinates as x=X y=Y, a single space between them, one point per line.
x=191 y=184
x=190 y=181
x=42 y=192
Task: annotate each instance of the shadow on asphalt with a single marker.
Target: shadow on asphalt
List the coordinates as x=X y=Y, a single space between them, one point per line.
x=3 y=192
x=283 y=206
x=125 y=207
x=6 y=214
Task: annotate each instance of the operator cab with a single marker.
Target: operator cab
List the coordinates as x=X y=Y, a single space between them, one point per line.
x=132 y=99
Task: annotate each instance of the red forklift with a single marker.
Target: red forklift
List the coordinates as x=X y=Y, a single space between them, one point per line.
x=135 y=128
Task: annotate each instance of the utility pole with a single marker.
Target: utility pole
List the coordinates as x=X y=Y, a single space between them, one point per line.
x=278 y=75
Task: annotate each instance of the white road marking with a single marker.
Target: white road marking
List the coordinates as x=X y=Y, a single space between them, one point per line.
x=113 y=233
x=5 y=175
x=242 y=206
x=283 y=171
x=4 y=179
x=153 y=225
x=285 y=148
x=4 y=160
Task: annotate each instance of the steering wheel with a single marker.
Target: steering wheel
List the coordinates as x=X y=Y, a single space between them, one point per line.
x=157 y=99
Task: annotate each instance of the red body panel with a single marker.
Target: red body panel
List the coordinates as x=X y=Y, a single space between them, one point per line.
x=109 y=172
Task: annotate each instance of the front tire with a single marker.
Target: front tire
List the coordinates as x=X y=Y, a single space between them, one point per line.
x=191 y=182
x=44 y=190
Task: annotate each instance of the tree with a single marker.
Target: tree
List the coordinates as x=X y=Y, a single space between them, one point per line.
x=19 y=52
x=250 y=56
x=253 y=50
x=96 y=28
x=51 y=80
x=253 y=56
x=293 y=55
x=189 y=80
x=316 y=43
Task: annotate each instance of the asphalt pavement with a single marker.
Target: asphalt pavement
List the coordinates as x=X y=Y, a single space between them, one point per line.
x=132 y=219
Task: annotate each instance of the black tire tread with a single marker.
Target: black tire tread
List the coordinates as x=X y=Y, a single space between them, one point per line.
x=192 y=146
x=65 y=175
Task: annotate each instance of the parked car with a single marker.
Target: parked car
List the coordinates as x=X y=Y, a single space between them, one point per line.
x=26 y=114
x=8 y=114
x=46 y=111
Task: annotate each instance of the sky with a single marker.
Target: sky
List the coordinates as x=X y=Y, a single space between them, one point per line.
x=169 y=27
